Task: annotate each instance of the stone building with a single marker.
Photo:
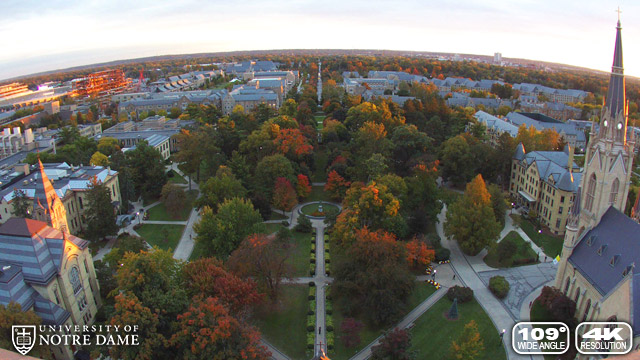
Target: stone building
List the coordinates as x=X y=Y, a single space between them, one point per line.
x=601 y=245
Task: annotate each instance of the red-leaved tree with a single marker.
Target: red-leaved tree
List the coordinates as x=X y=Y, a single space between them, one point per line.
x=284 y=195
x=418 y=253
x=207 y=277
x=303 y=188
x=208 y=331
x=336 y=186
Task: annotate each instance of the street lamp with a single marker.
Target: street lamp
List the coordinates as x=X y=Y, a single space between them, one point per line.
x=502 y=336
x=512 y=205
x=138 y=215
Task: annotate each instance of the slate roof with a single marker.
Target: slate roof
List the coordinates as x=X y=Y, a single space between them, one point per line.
x=492 y=122
x=620 y=235
x=554 y=164
x=31 y=252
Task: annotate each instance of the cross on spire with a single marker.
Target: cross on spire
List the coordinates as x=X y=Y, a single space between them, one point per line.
x=618 y=11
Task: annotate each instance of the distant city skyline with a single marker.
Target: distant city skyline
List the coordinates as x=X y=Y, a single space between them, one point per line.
x=37 y=36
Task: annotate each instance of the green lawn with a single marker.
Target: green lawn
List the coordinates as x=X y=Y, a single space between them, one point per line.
x=524 y=252
x=311 y=208
x=176 y=178
x=285 y=327
x=317 y=194
x=432 y=334
x=320 y=165
x=300 y=257
x=160 y=213
x=551 y=245
x=420 y=293
x=319 y=121
x=198 y=251
x=163 y=236
x=272 y=227
x=275 y=215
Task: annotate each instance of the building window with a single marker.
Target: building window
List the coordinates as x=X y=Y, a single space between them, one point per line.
x=558 y=223
x=577 y=295
x=586 y=310
x=74 y=277
x=591 y=190
x=55 y=294
x=566 y=287
x=562 y=199
x=86 y=268
x=560 y=210
x=614 y=191
x=80 y=201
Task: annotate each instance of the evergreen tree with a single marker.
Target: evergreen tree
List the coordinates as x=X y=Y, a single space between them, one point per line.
x=101 y=217
x=21 y=204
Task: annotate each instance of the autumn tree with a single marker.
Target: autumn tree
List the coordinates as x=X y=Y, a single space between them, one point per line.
x=222 y=232
x=373 y=279
x=458 y=163
x=303 y=188
x=351 y=328
x=100 y=214
x=130 y=310
x=284 y=195
x=126 y=243
x=336 y=186
x=471 y=220
x=207 y=331
x=108 y=145
x=264 y=259
x=395 y=344
x=12 y=314
x=174 y=199
x=99 y=159
x=418 y=253
x=469 y=345
x=147 y=170
x=21 y=204
x=291 y=142
x=208 y=277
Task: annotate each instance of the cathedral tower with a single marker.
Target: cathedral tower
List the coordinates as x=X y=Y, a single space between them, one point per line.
x=48 y=206
x=608 y=163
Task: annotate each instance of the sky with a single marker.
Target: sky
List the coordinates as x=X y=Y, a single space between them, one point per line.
x=43 y=35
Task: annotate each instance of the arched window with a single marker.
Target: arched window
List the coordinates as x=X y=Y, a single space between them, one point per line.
x=591 y=192
x=74 y=277
x=566 y=287
x=586 y=311
x=614 y=191
x=577 y=296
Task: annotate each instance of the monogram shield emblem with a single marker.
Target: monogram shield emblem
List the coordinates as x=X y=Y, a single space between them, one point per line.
x=23 y=338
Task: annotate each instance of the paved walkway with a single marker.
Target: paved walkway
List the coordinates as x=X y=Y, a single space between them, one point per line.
x=496 y=310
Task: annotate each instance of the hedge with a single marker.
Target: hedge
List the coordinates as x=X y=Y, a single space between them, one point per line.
x=330 y=340
x=328 y=307
x=328 y=320
x=311 y=323
x=463 y=294
x=442 y=254
x=312 y=293
x=311 y=339
x=499 y=286
x=327 y=269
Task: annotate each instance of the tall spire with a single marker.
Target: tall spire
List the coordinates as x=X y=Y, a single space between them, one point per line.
x=51 y=210
x=616 y=96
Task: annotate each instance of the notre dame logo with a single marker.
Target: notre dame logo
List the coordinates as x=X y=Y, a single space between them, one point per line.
x=23 y=338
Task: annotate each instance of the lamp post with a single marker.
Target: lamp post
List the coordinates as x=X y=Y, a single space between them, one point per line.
x=502 y=335
x=512 y=205
x=138 y=215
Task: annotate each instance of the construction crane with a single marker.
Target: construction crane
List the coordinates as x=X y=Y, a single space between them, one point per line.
x=141 y=79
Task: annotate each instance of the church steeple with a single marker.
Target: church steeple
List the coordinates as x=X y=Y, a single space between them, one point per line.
x=613 y=122
x=48 y=206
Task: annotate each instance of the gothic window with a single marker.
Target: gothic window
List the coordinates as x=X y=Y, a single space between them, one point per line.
x=591 y=191
x=586 y=310
x=566 y=287
x=74 y=277
x=614 y=191
x=577 y=295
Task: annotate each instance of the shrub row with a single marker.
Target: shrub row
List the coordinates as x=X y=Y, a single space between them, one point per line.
x=312 y=269
x=311 y=340
x=327 y=269
x=311 y=323
x=330 y=341
x=312 y=293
